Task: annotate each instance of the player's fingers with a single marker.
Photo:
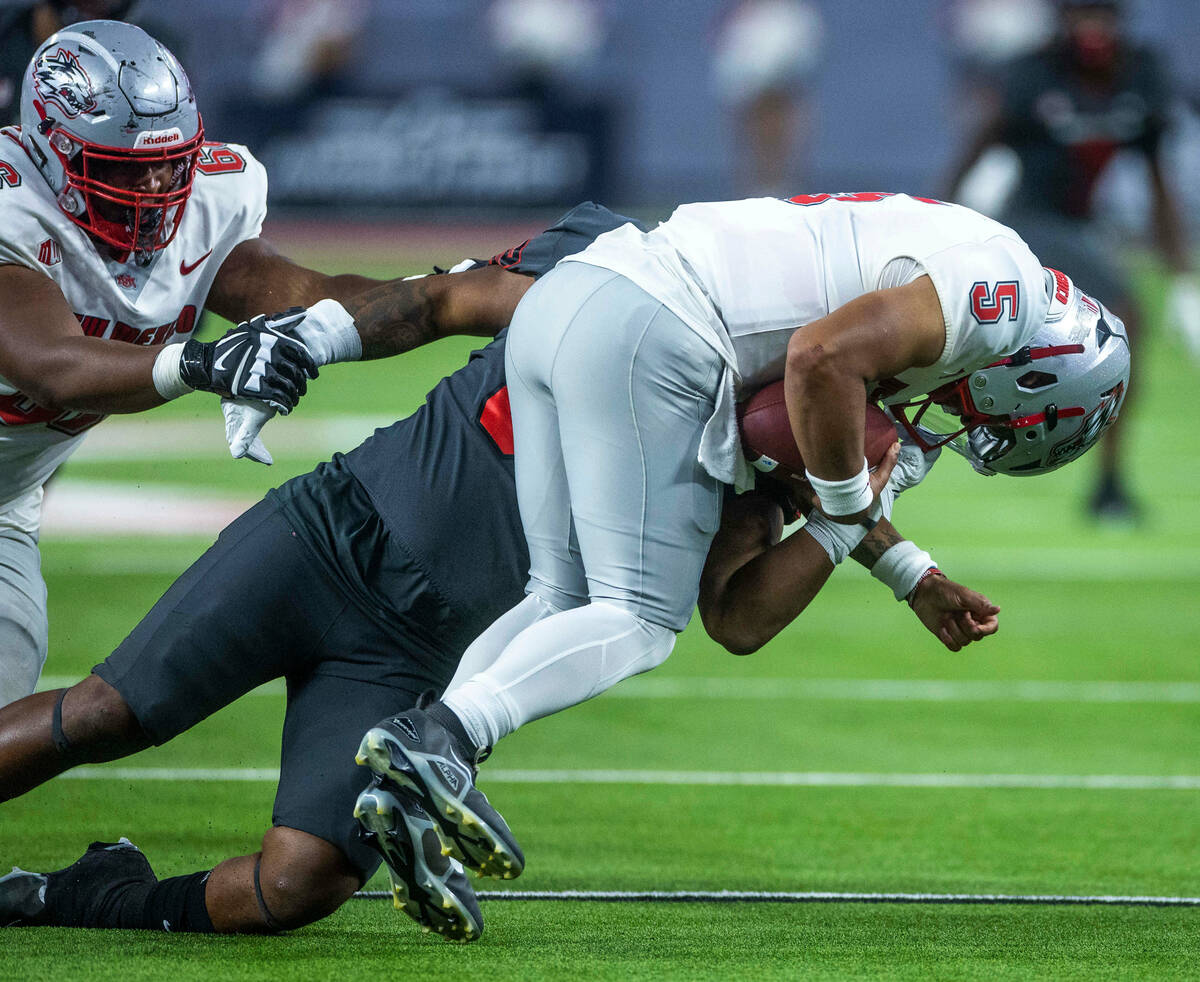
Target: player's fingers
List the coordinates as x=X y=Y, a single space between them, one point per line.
x=883 y=470
x=296 y=353
x=944 y=636
x=279 y=393
x=987 y=625
x=970 y=628
x=955 y=629
x=292 y=372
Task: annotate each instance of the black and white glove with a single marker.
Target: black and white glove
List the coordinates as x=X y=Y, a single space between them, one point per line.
x=328 y=331
x=259 y=359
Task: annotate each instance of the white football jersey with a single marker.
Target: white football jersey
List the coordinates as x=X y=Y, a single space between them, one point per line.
x=150 y=304
x=747 y=274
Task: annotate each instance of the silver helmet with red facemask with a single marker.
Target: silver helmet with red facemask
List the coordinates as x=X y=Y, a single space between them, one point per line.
x=1040 y=407
x=109 y=118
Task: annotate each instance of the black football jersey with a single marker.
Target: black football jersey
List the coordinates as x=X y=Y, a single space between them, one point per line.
x=442 y=479
x=1066 y=132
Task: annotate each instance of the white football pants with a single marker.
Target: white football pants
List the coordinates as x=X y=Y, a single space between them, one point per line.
x=23 y=631
x=610 y=392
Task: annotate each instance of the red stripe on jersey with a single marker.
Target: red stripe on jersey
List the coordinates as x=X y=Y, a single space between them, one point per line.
x=496 y=418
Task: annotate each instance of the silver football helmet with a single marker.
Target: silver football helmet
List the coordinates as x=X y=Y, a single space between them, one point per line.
x=109 y=117
x=1042 y=406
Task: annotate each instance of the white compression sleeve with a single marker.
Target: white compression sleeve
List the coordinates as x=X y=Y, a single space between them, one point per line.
x=487 y=648
x=557 y=662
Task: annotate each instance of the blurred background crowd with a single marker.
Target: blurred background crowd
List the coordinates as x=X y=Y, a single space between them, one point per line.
x=506 y=102
x=1076 y=122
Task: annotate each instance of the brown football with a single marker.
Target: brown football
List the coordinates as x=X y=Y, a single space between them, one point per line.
x=767 y=439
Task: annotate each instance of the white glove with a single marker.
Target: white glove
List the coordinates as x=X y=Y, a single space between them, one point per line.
x=243 y=420
x=913 y=465
x=910 y=470
x=328 y=331
x=1183 y=309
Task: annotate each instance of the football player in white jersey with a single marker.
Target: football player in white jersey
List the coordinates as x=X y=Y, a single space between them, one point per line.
x=624 y=365
x=119 y=224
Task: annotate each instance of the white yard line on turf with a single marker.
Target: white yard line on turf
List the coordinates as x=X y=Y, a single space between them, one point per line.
x=860 y=690
x=815 y=896
x=92 y=508
x=908 y=690
x=795 y=779
x=142 y=438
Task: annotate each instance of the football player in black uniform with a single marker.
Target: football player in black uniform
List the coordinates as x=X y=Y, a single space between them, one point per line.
x=1066 y=111
x=361 y=584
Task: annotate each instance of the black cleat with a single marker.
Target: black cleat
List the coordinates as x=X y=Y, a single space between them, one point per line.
x=427 y=883
x=78 y=895
x=415 y=752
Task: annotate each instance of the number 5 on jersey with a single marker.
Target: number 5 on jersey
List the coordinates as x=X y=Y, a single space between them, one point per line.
x=992 y=301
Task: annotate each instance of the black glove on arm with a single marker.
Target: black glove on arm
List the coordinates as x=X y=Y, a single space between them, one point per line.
x=258 y=359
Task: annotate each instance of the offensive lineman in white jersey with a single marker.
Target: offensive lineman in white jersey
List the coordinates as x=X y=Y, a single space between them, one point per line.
x=624 y=365
x=118 y=225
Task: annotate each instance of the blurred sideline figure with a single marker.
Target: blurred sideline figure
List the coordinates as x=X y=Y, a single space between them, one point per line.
x=766 y=54
x=1066 y=110
x=304 y=55
x=23 y=26
x=367 y=605
x=550 y=55
x=984 y=35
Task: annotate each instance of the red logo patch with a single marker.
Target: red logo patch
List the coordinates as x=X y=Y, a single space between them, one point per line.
x=49 y=253
x=126 y=281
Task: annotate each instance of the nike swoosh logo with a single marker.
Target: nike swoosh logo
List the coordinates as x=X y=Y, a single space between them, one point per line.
x=219 y=364
x=185 y=268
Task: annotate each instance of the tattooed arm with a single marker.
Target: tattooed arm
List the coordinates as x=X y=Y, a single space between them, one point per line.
x=392 y=316
x=403 y=314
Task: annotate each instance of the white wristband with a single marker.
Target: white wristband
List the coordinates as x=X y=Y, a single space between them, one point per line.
x=836 y=539
x=328 y=332
x=843 y=497
x=166 y=375
x=902 y=567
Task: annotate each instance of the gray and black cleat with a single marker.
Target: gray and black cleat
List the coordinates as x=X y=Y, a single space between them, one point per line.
x=416 y=752
x=22 y=897
x=427 y=883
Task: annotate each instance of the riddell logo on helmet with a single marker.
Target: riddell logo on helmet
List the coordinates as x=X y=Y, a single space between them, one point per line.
x=158 y=138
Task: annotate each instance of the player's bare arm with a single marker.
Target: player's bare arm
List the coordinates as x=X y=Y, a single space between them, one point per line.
x=391 y=316
x=755 y=582
x=831 y=361
x=404 y=314
x=45 y=354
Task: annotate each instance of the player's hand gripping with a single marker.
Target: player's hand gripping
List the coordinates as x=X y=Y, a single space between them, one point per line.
x=258 y=359
x=800 y=493
x=953 y=613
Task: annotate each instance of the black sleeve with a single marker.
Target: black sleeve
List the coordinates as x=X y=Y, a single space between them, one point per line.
x=572 y=233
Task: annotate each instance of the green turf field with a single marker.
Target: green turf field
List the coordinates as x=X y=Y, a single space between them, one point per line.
x=853 y=754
